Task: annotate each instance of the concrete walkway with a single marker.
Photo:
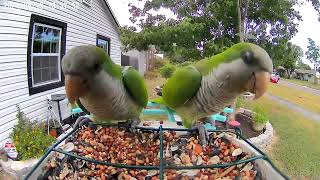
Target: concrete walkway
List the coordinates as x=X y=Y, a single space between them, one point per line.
x=297 y=86
x=299 y=109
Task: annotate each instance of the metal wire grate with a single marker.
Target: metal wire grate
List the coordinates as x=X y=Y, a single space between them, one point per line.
x=162 y=166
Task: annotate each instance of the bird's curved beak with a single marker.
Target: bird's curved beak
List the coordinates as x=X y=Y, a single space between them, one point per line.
x=258 y=83
x=76 y=87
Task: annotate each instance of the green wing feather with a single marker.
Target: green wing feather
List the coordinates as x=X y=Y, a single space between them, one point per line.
x=135 y=85
x=109 y=66
x=206 y=66
x=182 y=86
x=158 y=101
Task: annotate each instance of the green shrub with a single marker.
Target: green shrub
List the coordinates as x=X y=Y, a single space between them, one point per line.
x=186 y=63
x=167 y=70
x=159 y=63
x=151 y=74
x=30 y=138
x=240 y=102
x=259 y=115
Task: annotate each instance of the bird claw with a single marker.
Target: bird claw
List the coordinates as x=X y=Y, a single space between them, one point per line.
x=81 y=121
x=134 y=124
x=131 y=124
x=203 y=133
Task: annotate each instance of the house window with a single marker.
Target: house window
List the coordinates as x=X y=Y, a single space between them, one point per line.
x=46 y=47
x=104 y=43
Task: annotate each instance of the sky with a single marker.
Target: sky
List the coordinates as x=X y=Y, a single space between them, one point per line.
x=308 y=27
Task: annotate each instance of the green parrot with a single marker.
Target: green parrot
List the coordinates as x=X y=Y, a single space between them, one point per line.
x=200 y=90
x=108 y=91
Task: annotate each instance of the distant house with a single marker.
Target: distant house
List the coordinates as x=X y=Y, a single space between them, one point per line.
x=304 y=75
x=34 y=36
x=159 y=56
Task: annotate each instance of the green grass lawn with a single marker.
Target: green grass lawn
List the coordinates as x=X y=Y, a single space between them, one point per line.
x=303 y=83
x=297 y=151
x=153 y=79
x=306 y=100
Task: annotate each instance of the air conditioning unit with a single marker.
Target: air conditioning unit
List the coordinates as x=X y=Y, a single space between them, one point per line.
x=87 y=2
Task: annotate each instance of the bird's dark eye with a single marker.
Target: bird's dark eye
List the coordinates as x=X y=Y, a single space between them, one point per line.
x=248 y=57
x=96 y=66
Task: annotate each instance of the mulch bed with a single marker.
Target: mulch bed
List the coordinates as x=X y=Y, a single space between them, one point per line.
x=246 y=126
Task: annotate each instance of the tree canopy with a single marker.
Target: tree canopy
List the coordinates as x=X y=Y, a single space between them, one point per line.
x=287 y=55
x=313 y=53
x=302 y=65
x=203 y=28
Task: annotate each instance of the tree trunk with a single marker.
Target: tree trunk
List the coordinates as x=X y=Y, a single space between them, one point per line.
x=288 y=73
x=244 y=23
x=240 y=31
x=239 y=21
x=315 y=74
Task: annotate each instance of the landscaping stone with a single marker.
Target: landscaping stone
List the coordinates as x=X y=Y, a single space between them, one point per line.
x=248 y=96
x=247 y=112
x=17 y=168
x=263 y=140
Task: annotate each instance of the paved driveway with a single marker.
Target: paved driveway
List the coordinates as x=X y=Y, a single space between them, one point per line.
x=311 y=115
x=293 y=106
x=303 y=88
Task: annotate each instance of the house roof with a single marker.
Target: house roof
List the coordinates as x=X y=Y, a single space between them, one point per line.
x=112 y=14
x=304 y=71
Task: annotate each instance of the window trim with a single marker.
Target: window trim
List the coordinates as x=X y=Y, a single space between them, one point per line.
x=106 y=39
x=46 y=54
x=36 y=19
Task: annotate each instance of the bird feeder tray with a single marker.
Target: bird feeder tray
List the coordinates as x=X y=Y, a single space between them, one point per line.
x=263 y=166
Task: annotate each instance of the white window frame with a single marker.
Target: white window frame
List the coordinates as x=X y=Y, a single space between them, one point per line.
x=45 y=54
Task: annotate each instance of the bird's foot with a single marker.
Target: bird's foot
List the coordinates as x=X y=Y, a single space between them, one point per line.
x=81 y=121
x=206 y=120
x=134 y=124
x=203 y=133
x=131 y=124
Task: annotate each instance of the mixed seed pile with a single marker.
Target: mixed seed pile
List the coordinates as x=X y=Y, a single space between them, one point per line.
x=115 y=145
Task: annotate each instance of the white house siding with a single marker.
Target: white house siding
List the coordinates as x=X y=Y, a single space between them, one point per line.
x=83 y=25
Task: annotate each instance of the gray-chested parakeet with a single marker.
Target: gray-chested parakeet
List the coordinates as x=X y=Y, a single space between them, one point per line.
x=199 y=90
x=108 y=91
